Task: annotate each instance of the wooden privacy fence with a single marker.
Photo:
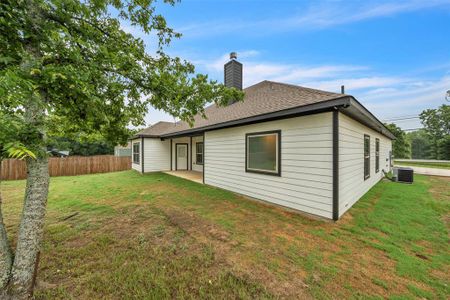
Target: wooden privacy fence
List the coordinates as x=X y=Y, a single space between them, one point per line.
x=12 y=169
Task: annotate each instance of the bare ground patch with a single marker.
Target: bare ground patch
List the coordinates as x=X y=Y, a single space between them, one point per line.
x=229 y=252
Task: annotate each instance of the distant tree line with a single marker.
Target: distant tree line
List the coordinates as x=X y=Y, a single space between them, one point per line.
x=431 y=142
x=83 y=144
x=80 y=147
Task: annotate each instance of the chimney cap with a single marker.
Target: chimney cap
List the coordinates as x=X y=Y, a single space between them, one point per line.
x=233 y=55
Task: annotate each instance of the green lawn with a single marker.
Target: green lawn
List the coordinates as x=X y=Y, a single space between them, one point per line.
x=435 y=165
x=157 y=236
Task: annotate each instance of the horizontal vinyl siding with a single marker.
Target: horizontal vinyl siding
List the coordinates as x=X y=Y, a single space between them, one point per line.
x=134 y=166
x=306 y=163
x=156 y=155
x=352 y=185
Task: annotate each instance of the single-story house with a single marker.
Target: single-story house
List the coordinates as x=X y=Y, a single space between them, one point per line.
x=123 y=150
x=309 y=150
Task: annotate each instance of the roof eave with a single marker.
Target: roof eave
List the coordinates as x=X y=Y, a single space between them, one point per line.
x=358 y=112
x=292 y=112
x=138 y=136
x=346 y=104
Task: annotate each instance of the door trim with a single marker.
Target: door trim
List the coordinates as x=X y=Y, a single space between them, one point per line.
x=176 y=156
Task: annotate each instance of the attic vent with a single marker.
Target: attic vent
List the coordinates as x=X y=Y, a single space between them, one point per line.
x=233 y=72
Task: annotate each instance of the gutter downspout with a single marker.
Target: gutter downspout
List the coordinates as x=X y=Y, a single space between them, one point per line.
x=335 y=164
x=142 y=156
x=204 y=158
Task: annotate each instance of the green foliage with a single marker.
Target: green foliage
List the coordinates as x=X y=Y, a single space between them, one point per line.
x=9 y=125
x=444 y=148
x=18 y=151
x=82 y=146
x=420 y=144
x=401 y=147
x=73 y=59
x=437 y=121
x=437 y=125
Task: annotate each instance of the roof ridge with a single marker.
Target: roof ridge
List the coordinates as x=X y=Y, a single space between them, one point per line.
x=163 y=122
x=254 y=85
x=305 y=88
x=260 y=99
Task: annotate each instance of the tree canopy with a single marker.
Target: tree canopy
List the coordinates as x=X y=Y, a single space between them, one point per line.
x=400 y=146
x=92 y=75
x=436 y=124
x=420 y=144
x=67 y=67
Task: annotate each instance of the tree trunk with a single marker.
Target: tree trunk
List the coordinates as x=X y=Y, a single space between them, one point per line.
x=29 y=240
x=5 y=251
x=31 y=228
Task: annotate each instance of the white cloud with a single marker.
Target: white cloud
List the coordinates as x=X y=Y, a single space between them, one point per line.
x=256 y=70
x=386 y=96
x=216 y=65
x=329 y=15
x=408 y=99
x=320 y=15
x=410 y=96
x=353 y=84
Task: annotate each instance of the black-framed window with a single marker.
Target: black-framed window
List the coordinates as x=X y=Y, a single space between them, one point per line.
x=366 y=156
x=136 y=152
x=199 y=153
x=263 y=152
x=377 y=155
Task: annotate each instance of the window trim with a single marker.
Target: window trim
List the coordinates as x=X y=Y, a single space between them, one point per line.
x=366 y=136
x=196 y=153
x=278 y=153
x=377 y=155
x=138 y=162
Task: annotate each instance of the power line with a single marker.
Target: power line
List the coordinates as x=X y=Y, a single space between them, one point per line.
x=402 y=118
x=412 y=129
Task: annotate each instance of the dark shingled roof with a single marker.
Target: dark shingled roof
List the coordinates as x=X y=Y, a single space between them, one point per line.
x=157 y=129
x=261 y=98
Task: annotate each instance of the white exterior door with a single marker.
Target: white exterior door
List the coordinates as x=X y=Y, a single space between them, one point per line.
x=181 y=156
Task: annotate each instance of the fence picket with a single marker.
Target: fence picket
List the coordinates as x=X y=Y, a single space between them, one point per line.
x=13 y=169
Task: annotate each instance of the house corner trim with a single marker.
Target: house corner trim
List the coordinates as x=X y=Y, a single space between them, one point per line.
x=335 y=165
x=204 y=158
x=142 y=156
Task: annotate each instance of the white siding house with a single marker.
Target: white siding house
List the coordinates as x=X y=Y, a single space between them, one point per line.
x=313 y=151
x=352 y=182
x=306 y=163
x=154 y=155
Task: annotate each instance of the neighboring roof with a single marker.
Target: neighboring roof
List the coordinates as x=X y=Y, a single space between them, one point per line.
x=56 y=152
x=263 y=100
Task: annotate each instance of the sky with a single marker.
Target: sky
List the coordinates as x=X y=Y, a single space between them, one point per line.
x=393 y=56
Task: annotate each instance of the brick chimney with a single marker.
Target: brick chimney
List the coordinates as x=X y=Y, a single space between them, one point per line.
x=233 y=72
